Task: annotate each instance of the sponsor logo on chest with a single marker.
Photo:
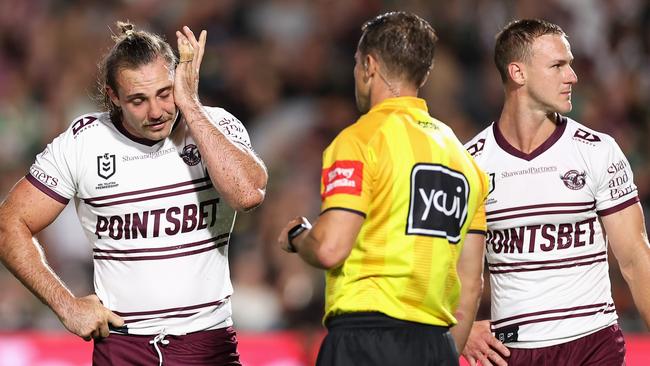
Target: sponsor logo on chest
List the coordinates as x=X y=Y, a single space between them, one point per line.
x=506 y=178
x=438 y=202
x=151 y=155
x=157 y=222
x=542 y=238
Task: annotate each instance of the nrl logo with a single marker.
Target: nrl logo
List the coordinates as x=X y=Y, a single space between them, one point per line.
x=106 y=165
x=492 y=184
x=573 y=179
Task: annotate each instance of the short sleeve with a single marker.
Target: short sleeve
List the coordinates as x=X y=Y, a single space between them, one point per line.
x=479 y=223
x=230 y=126
x=615 y=188
x=52 y=171
x=346 y=178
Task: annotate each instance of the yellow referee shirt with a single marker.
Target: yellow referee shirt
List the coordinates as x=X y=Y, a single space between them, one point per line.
x=420 y=193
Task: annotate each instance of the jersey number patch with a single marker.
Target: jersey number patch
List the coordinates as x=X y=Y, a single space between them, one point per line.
x=438 y=203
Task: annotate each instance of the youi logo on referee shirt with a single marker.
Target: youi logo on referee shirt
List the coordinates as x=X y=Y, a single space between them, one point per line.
x=438 y=202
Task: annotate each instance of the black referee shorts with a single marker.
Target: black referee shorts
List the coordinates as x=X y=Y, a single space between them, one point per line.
x=368 y=339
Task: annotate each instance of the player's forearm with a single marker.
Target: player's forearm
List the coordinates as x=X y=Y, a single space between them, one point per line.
x=23 y=256
x=466 y=312
x=238 y=175
x=636 y=272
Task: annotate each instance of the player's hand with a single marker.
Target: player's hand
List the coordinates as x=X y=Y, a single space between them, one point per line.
x=484 y=347
x=89 y=319
x=186 y=79
x=283 y=240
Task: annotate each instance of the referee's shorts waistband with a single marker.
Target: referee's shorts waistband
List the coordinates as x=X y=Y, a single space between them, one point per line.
x=375 y=320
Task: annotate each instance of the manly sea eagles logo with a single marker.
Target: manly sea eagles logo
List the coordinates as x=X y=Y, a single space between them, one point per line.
x=191 y=155
x=106 y=165
x=573 y=179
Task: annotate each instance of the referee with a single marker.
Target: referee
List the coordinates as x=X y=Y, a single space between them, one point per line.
x=402 y=222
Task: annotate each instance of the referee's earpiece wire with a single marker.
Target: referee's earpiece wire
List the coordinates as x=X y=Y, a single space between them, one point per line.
x=393 y=90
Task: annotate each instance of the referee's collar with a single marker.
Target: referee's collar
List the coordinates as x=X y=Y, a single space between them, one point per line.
x=402 y=102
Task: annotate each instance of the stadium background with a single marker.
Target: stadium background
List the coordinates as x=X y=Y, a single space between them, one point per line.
x=284 y=67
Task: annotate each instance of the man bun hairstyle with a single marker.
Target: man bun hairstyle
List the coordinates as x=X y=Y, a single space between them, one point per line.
x=132 y=49
x=404 y=42
x=515 y=41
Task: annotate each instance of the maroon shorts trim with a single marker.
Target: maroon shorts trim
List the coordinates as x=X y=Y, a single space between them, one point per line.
x=605 y=347
x=210 y=347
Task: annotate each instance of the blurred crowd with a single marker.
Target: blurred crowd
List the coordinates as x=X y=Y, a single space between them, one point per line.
x=284 y=68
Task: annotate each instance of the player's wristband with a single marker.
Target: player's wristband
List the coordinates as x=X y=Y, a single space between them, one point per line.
x=294 y=232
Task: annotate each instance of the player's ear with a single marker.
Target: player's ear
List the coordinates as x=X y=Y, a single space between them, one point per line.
x=369 y=65
x=424 y=79
x=113 y=95
x=517 y=72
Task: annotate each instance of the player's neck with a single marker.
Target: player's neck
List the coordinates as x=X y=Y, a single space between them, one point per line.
x=524 y=128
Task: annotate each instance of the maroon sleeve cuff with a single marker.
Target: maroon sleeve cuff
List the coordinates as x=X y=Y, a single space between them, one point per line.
x=618 y=207
x=45 y=189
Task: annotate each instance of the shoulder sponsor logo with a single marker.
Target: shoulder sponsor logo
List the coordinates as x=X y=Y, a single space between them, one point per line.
x=230 y=126
x=477 y=147
x=43 y=177
x=438 y=202
x=106 y=165
x=619 y=183
x=617 y=191
x=585 y=136
x=191 y=155
x=616 y=167
x=344 y=176
x=234 y=130
x=82 y=124
x=574 y=179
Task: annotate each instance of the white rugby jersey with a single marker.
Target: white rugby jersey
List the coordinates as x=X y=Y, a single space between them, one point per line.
x=546 y=250
x=158 y=227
